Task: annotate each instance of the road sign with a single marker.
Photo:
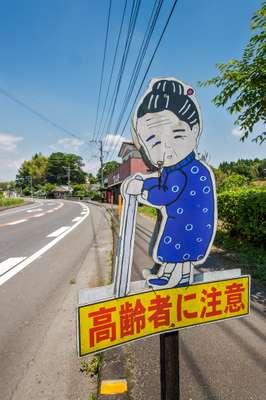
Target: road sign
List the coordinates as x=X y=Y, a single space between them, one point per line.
x=117 y=321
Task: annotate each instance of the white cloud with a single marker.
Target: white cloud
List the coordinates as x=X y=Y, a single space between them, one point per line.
x=70 y=143
x=9 y=142
x=112 y=142
x=92 y=166
x=9 y=168
x=237 y=132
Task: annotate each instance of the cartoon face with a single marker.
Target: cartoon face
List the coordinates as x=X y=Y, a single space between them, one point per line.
x=165 y=138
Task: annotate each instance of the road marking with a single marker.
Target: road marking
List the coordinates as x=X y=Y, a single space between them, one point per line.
x=49 y=211
x=58 y=231
x=40 y=252
x=113 y=386
x=20 y=209
x=38 y=215
x=19 y=221
x=83 y=212
x=37 y=209
x=76 y=219
x=9 y=264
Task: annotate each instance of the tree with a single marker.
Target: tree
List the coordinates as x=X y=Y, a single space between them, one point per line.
x=108 y=168
x=32 y=171
x=243 y=82
x=63 y=167
x=91 y=178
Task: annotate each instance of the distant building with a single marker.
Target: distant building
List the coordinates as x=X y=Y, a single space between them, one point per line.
x=60 y=192
x=131 y=164
x=10 y=194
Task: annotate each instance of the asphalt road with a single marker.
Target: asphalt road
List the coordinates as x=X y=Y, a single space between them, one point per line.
x=42 y=247
x=220 y=361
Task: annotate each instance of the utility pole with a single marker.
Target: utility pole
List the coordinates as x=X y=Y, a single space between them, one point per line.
x=31 y=187
x=100 y=142
x=68 y=175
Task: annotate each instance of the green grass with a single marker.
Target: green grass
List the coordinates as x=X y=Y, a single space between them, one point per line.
x=91 y=368
x=251 y=259
x=149 y=211
x=10 y=202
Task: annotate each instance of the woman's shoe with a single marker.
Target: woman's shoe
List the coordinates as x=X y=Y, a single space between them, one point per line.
x=166 y=281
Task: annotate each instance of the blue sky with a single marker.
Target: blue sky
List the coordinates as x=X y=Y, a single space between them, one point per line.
x=51 y=55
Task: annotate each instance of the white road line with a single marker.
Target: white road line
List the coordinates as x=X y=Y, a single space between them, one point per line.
x=19 y=221
x=83 y=212
x=40 y=252
x=38 y=215
x=37 y=209
x=20 y=209
x=58 y=231
x=76 y=219
x=10 y=263
x=49 y=211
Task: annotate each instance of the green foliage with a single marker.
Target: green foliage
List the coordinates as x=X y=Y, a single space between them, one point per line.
x=91 y=178
x=43 y=174
x=108 y=168
x=9 y=185
x=32 y=171
x=232 y=182
x=63 y=166
x=251 y=259
x=81 y=190
x=243 y=82
x=4 y=202
x=91 y=368
x=95 y=195
x=252 y=169
x=243 y=213
x=149 y=211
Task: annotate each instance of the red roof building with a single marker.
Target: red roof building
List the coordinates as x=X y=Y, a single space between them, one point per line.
x=131 y=164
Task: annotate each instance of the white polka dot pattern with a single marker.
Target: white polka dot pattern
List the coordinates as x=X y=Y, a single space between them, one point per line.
x=206 y=189
x=175 y=188
x=194 y=169
x=167 y=239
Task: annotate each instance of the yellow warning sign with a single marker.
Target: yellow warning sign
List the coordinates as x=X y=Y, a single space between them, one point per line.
x=114 y=322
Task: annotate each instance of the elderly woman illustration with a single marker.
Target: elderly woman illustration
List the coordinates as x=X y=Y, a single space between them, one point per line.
x=166 y=127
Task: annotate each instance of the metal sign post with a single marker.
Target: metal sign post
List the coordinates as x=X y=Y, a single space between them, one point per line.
x=169 y=360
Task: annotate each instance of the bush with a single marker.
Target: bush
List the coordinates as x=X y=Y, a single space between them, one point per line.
x=232 y=182
x=243 y=213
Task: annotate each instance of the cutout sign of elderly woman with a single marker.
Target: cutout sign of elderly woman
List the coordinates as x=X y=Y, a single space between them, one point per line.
x=166 y=128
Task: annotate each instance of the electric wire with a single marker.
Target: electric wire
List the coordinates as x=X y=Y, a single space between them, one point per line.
x=138 y=64
x=40 y=115
x=147 y=70
x=102 y=69
x=131 y=29
x=113 y=65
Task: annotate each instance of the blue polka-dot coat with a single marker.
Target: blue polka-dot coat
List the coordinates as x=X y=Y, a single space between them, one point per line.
x=186 y=190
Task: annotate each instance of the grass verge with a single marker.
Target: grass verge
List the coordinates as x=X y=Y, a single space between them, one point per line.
x=10 y=202
x=251 y=259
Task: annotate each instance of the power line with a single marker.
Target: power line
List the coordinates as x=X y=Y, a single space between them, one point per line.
x=147 y=69
x=113 y=64
x=131 y=29
x=103 y=65
x=144 y=46
x=39 y=114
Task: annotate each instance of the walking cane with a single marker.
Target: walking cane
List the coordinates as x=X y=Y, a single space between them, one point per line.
x=125 y=245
